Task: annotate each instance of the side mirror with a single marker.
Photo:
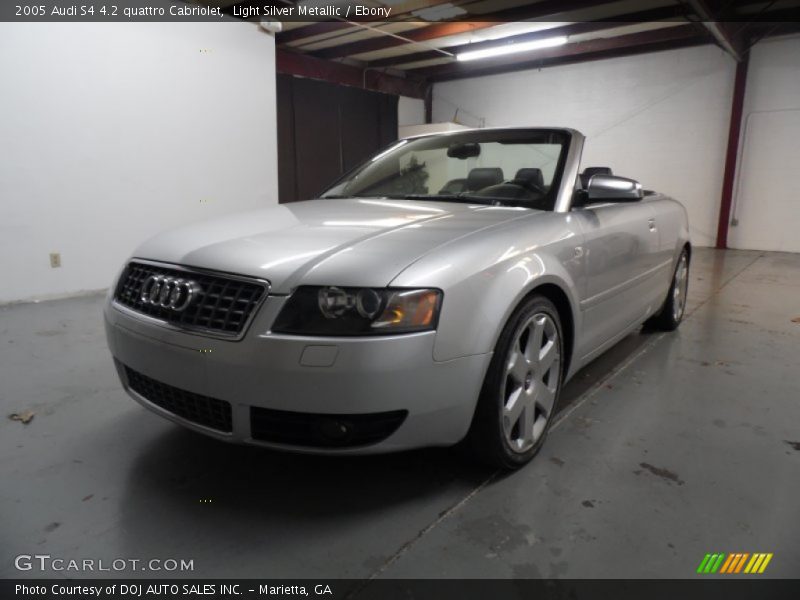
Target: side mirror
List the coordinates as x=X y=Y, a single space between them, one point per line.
x=610 y=188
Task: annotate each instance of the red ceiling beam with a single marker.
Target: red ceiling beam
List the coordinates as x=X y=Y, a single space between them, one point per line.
x=698 y=40
x=729 y=42
x=407 y=8
x=539 y=10
x=723 y=12
x=307 y=31
x=583 y=27
x=431 y=54
x=423 y=34
x=673 y=36
x=301 y=65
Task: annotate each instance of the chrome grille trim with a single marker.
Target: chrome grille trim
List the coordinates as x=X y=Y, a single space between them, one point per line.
x=225 y=307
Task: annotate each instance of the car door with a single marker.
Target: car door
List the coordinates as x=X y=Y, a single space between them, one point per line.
x=621 y=254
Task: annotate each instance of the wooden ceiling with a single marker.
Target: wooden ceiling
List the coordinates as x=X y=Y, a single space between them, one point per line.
x=417 y=46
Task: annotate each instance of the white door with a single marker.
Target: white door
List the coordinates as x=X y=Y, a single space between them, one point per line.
x=766 y=206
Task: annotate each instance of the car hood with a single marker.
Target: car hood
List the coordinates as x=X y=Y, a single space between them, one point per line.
x=349 y=242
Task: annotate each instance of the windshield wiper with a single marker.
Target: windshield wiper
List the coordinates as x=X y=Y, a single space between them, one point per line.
x=462 y=197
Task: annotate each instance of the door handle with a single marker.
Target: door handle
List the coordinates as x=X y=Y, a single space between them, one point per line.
x=651 y=223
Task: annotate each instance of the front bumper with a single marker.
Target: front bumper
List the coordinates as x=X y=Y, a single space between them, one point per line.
x=305 y=375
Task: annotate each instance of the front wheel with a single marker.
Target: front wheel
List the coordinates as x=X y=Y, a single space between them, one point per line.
x=521 y=389
x=671 y=313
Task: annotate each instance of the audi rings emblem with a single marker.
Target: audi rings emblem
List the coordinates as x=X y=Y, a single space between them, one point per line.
x=168 y=292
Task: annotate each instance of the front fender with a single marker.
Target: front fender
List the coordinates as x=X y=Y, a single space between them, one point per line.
x=485 y=276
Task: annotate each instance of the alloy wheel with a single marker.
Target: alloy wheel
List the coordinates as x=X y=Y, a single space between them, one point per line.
x=530 y=386
x=679 y=287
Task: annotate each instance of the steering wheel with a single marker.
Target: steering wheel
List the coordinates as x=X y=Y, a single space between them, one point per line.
x=528 y=185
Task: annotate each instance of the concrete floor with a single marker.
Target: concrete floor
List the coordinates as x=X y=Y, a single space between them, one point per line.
x=668 y=447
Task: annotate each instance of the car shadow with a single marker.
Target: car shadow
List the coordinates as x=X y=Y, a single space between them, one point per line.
x=188 y=495
x=602 y=366
x=249 y=478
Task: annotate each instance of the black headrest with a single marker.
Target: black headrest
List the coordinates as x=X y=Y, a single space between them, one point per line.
x=484 y=177
x=532 y=175
x=588 y=172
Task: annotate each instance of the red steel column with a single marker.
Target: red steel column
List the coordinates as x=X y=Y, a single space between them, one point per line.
x=732 y=152
x=429 y=103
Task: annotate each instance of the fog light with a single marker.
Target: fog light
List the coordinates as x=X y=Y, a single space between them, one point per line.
x=336 y=430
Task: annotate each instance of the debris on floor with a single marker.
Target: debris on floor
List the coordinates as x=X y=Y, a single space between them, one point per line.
x=23 y=417
x=663 y=473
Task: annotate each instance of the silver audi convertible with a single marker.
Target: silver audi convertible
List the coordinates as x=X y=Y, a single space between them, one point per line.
x=441 y=292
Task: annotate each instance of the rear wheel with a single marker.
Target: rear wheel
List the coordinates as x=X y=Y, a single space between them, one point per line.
x=671 y=314
x=521 y=389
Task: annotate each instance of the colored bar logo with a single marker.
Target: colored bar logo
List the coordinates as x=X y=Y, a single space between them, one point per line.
x=737 y=562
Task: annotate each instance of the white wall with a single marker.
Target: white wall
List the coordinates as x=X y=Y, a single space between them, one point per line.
x=661 y=118
x=766 y=196
x=410 y=111
x=113 y=132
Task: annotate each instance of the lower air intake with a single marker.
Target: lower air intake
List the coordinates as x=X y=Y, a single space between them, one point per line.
x=202 y=410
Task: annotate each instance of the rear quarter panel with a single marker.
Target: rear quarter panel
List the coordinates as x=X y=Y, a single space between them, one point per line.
x=673 y=232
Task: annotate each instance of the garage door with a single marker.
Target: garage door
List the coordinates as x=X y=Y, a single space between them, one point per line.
x=324 y=130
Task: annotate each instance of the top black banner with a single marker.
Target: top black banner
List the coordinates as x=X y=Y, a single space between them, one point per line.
x=375 y=12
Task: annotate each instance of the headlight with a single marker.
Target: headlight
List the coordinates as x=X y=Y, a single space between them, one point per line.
x=331 y=310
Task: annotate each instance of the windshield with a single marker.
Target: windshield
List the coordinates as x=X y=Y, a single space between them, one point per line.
x=520 y=167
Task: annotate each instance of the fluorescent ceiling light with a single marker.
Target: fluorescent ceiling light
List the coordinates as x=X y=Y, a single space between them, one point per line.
x=512 y=48
x=516 y=28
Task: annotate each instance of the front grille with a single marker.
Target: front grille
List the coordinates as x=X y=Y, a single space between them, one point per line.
x=323 y=430
x=202 y=410
x=222 y=305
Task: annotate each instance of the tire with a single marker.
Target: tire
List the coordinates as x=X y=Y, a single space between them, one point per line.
x=520 y=392
x=671 y=313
